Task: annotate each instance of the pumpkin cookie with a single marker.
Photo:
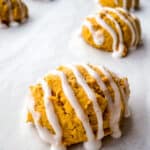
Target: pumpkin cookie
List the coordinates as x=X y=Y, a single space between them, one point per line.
x=78 y=103
x=112 y=30
x=13 y=11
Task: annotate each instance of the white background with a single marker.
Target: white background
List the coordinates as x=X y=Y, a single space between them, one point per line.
x=30 y=50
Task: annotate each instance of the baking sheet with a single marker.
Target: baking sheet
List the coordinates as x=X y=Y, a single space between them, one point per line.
x=49 y=39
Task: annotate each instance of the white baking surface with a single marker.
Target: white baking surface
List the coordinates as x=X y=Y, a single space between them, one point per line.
x=47 y=40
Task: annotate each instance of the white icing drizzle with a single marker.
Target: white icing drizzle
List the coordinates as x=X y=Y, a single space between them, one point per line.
x=125 y=95
x=137 y=32
x=54 y=140
x=102 y=85
x=132 y=18
x=43 y=133
x=109 y=29
x=97 y=36
x=51 y=115
x=117 y=103
x=120 y=33
x=122 y=17
x=92 y=142
x=95 y=75
x=92 y=97
x=108 y=97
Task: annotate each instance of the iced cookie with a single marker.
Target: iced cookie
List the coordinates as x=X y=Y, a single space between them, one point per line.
x=78 y=103
x=112 y=30
x=12 y=11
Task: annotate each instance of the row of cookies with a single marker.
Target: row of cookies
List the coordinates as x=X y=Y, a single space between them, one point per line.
x=84 y=102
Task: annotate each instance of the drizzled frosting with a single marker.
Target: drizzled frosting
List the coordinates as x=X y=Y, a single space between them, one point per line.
x=97 y=36
x=92 y=97
x=117 y=104
x=55 y=140
x=118 y=45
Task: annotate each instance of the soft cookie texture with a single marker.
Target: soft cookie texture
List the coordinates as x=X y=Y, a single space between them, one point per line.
x=112 y=30
x=78 y=103
x=126 y=4
x=13 y=11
